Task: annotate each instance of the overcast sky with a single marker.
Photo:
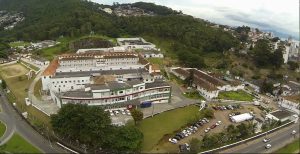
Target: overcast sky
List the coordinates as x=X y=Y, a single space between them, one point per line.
x=277 y=15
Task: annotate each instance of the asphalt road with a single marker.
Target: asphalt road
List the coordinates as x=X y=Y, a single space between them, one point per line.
x=278 y=139
x=16 y=122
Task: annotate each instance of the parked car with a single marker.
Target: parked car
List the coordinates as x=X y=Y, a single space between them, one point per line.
x=218 y=123
x=213 y=126
x=268 y=146
x=207 y=130
x=172 y=140
x=123 y=112
x=184 y=147
x=265 y=140
x=207 y=121
x=177 y=138
x=294 y=132
x=116 y=112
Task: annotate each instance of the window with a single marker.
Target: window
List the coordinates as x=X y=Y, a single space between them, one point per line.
x=66 y=81
x=121 y=92
x=61 y=82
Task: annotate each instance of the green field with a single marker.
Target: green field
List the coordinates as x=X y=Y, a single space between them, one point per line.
x=37 y=88
x=2 y=129
x=20 y=43
x=18 y=144
x=17 y=82
x=236 y=95
x=290 y=148
x=155 y=128
x=31 y=66
x=193 y=95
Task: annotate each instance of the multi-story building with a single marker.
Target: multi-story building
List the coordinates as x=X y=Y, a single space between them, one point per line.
x=109 y=79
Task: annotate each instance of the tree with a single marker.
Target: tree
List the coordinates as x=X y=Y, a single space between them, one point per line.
x=277 y=58
x=89 y=125
x=127 y=139
x=137 y=115
x=195 y=145
x=262 y=53
x=293 y=65
x=266 y=87
x=4 y=85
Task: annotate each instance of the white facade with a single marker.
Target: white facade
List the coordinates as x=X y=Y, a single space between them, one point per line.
x=241 y=117
x=135 y=43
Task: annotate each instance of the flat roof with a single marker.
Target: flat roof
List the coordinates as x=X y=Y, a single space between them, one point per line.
x=156 y=83
x=280 y=114
x=99 y=72
x=78 y=93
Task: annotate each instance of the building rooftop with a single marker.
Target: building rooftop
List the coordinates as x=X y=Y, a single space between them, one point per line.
x=78 y=93
x=51 y=69
x=182 y=72
x=280 y=114
x=156 y=83
x=98 y=73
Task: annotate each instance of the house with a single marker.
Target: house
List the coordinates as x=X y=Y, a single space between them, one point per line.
x=281 y=115
x=207 y=85
x=40 y=61
x=151 y=54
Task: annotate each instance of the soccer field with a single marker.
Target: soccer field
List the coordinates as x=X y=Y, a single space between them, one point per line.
x=13 y=70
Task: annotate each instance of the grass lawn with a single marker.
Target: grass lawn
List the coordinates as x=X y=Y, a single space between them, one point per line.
x=193 y=95
x=236 y=95
x=155 y=128
x=37 y=88
x=19 y=43
x=19 y=87
x=2 y=128
x=31 y=66
x=159 y=61
x=290 y=148
x=18 y=144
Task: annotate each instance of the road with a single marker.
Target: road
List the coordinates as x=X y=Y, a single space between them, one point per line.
x=278 y=139
x=17 y=124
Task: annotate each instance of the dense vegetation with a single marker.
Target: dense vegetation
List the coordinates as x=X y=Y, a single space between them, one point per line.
x=91 y=126
x=4 y=47
x=187 y=37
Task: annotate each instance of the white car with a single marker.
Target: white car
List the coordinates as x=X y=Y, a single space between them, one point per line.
x=128 y=113
x=218 y=123
x=294 y=132
x=123 y=112
x=266 y=140
x=268 y=146
x=173 y=140
x=116 y=112
x=112 y=114
x=207 y=130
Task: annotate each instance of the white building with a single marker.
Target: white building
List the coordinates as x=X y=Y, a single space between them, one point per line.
x=95 y=50
x=281 y=115
x=241 y=117
x=207 y=85
x=152 y=54
x=135 y=43
x=109 y=79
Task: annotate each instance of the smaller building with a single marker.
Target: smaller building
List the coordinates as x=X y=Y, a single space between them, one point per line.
x=135 y=43
x=40 y=61
x=281 y=115
x=151 y=54
x=241 y=117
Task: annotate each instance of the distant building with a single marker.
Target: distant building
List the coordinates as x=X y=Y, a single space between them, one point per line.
x=135 y=43
x=108 y=10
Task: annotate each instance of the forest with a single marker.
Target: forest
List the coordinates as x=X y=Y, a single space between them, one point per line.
x=189 y=37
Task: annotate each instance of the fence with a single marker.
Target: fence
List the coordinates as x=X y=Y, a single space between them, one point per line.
x=248 y=139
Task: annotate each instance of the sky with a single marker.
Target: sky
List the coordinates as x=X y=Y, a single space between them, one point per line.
x=280 y=16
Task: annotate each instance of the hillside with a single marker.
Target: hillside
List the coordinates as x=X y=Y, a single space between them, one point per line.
x=182 y=37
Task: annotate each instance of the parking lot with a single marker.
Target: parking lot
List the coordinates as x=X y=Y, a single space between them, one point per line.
x=220 y=115
x=120 y=116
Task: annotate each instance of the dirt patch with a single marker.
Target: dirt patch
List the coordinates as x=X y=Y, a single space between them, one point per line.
x=14 y=70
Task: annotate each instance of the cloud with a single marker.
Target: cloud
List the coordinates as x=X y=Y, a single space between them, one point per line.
x=275 y=15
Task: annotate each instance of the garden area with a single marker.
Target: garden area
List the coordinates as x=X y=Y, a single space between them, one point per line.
x=236 y=95
x=18 y=144
x=155 y=128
